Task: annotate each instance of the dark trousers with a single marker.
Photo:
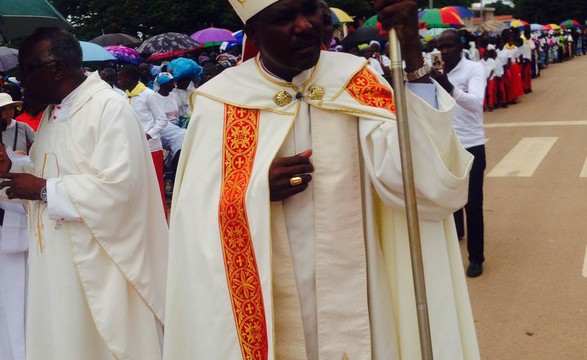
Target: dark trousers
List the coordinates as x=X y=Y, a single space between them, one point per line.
x=474 y=208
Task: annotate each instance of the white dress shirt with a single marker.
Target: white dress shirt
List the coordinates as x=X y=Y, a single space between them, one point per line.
x=150 y=111
x=469 y=81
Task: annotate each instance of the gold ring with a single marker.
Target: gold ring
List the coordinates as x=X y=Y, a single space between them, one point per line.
x=295 y=181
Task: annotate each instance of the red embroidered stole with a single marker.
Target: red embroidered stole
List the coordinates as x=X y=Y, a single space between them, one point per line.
x=241 y=128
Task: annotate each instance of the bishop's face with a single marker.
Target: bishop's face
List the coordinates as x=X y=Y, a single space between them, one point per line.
x=288 y=34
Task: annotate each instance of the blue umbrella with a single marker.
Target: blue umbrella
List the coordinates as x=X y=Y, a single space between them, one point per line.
x=94 y=52
x=239 y=41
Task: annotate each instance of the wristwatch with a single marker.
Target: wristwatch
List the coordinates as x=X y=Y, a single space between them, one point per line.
x=417 y=74
x=44 y=194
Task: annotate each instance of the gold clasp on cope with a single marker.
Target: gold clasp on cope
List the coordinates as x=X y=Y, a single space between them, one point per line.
x=282 y=98
x=315 y=92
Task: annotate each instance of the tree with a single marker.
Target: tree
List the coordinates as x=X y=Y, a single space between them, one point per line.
x=145 y=18
x=502 y=8
x=548 y=11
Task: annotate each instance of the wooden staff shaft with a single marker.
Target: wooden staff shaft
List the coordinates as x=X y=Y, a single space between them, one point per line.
x=410 y=195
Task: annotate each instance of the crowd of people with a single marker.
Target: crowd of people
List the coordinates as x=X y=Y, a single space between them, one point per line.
x=286 y=237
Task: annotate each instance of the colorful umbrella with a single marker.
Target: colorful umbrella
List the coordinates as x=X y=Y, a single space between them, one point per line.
x=20 y=18
x=463 y=12
x=569 y=24
x=168 y=45
x=125 y=54
x=552 y=27
x=441 y=18
x=340 y=17
x=94 y=52
x=213 y=36
x=115 y=39
x=537 y=27
x=518 y=23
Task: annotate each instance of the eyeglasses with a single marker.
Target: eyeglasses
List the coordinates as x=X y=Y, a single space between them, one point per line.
x=25 y=69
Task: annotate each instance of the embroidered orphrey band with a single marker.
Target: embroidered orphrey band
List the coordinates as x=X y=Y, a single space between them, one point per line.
x=367 y=90
x=240 y=145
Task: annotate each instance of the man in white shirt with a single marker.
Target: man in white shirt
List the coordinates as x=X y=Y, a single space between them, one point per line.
x=150 y=111
x=526 y=50
x=97 y=235
x=465 y=80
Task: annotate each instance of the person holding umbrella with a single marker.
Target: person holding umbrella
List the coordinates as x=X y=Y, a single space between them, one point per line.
x=288 y=237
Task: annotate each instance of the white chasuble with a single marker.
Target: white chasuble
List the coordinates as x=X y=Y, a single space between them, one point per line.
x=342 y=290
x=95 y=285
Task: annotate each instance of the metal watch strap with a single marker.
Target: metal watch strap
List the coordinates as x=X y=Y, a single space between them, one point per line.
x=417 y=74
x=44 y=194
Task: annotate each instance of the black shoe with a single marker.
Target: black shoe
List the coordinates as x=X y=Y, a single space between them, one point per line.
x=475 y=269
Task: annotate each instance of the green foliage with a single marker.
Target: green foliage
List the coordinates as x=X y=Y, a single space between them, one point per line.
x=145 y=18
x=502 y=8
x=548 y=11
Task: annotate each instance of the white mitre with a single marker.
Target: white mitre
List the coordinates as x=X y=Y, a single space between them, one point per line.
x=246 y=9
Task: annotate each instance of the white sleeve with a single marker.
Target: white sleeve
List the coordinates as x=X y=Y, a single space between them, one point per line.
x=441 y=165
x=156 y=107
x=59 y=205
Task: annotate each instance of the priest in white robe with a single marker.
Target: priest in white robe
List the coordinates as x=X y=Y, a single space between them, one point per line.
x=98 y=236
x=288 y=235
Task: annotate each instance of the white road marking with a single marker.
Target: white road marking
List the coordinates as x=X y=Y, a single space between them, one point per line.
x=584 y=170
x=585 y=264
x=537 y=123
x=524 y=158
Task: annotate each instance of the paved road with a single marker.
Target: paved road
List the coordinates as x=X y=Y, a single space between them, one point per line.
x=531 y=302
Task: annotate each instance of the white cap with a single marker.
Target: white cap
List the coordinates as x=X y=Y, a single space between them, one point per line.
x=375 y=42
x=246 y=9
x=490 y=47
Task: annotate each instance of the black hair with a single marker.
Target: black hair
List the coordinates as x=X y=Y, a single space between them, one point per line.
x=131 y=71
x=64 y=46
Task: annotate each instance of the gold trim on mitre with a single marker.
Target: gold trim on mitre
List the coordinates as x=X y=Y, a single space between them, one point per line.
x=246 y=9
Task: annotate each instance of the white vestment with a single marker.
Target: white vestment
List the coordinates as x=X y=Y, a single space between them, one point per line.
x=333 y=261
x=13 y=259
x=96 y=286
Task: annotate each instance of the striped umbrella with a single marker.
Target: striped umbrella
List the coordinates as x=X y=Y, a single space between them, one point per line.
x=552 y=27
x=518 y=23
x=439 y=18
x=569 y=24
x=463 y=12
x=340 y=17
x=537 y=27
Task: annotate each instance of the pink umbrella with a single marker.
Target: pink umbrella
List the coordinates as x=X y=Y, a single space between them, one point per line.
x=213 y=36
x=125 y=54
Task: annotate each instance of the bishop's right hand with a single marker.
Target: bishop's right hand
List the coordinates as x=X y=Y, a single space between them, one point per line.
x=290 y=175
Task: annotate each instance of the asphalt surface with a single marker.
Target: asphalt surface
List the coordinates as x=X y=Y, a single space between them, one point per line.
x=531 y=301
